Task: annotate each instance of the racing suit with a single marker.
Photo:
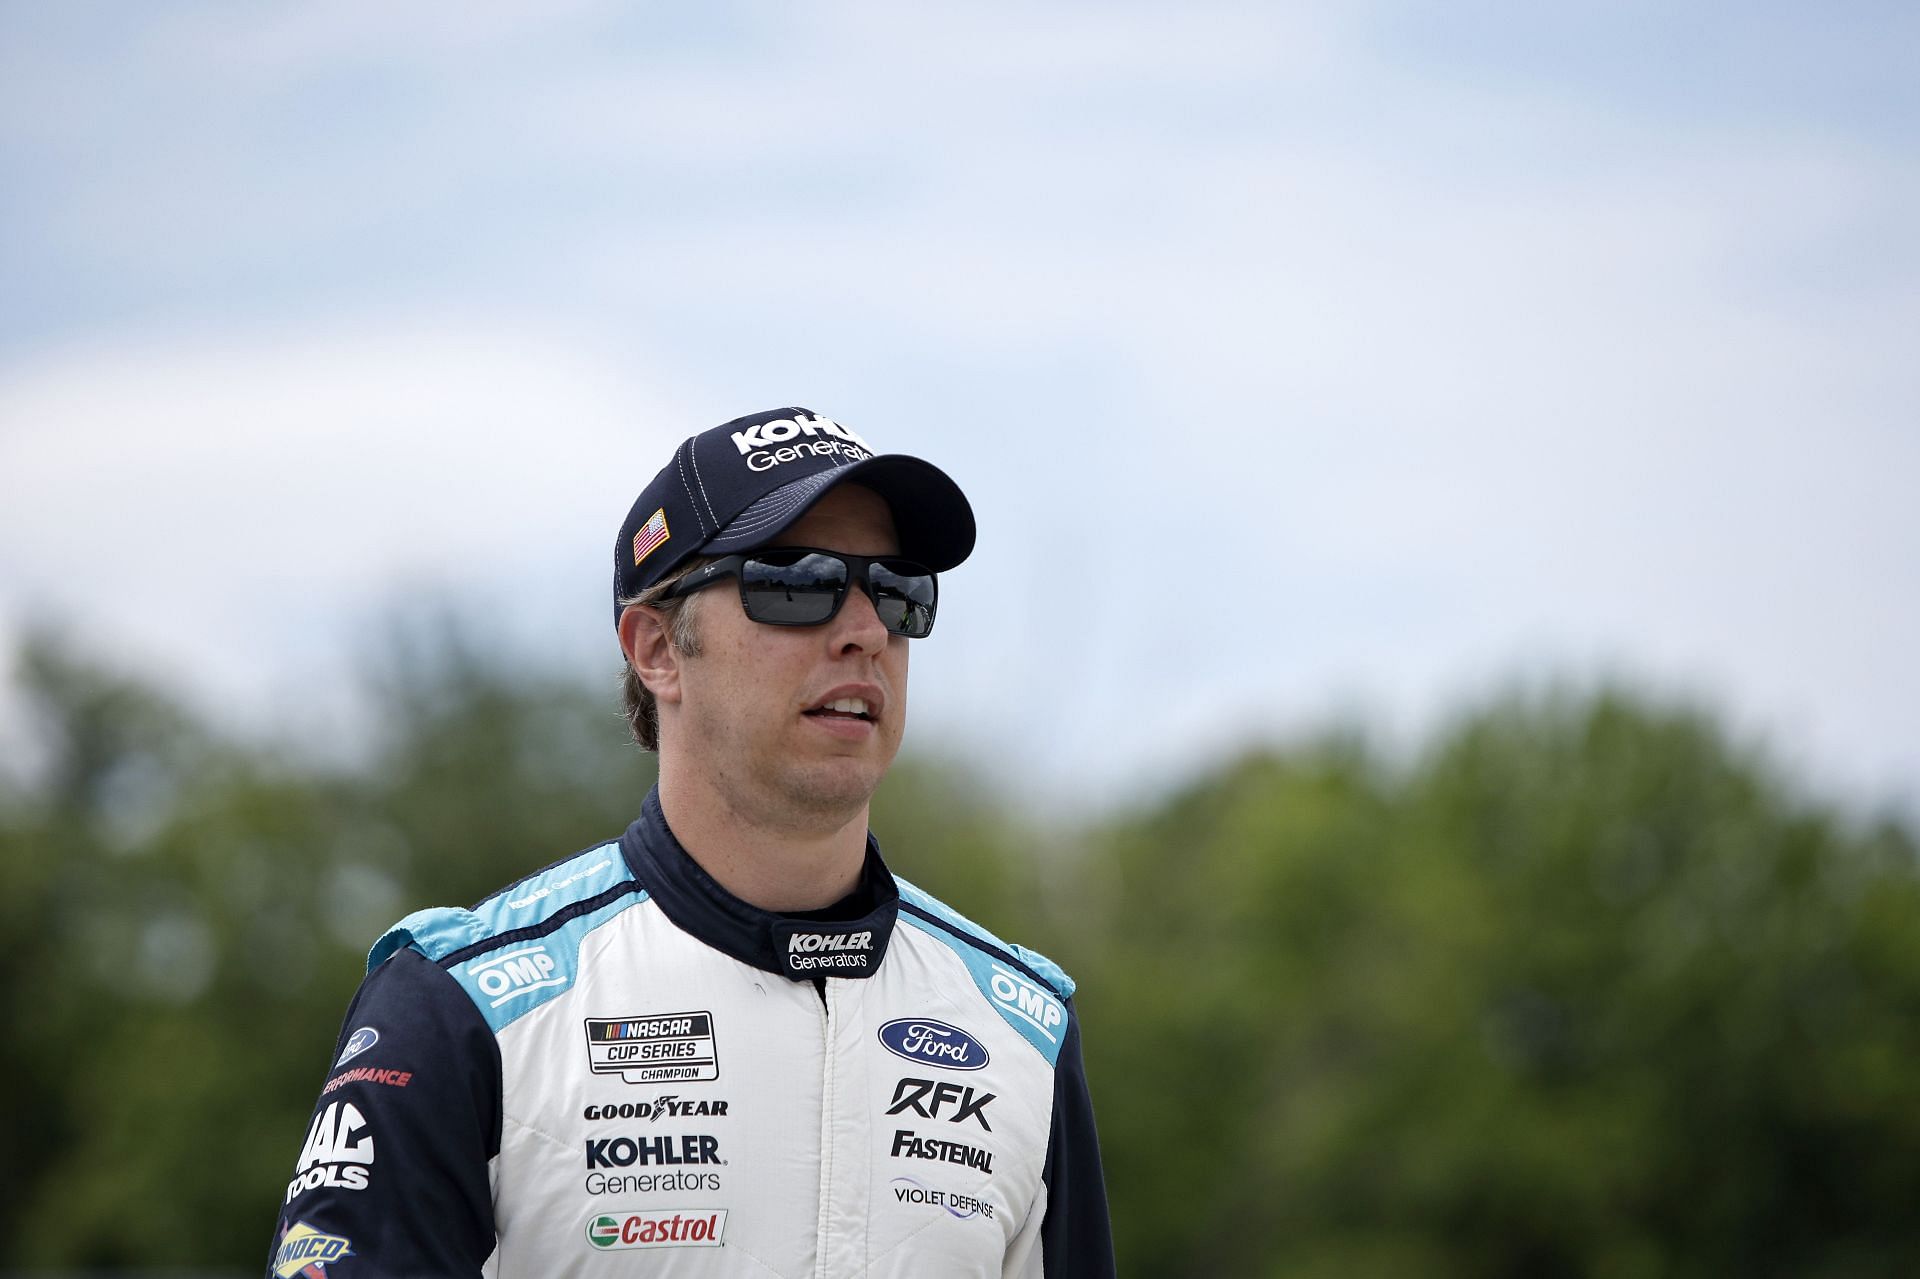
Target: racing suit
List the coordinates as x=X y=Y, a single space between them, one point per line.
x=616 y=1066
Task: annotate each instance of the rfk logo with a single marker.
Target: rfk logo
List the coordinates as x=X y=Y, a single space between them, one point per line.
x=927 y=1099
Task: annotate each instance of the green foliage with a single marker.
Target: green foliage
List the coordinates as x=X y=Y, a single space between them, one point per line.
x=187 y=918
x=1584 y=990
x=1583 y=993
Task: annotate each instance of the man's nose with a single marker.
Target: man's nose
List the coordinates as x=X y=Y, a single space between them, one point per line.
x=858 y=624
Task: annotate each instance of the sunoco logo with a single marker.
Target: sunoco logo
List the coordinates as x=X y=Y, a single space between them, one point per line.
x=304 y=1250
x=812 y=436
x=685 y=1228
x=934 y=1042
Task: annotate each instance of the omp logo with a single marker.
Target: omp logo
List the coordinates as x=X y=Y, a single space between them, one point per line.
x=338 y=1152
x=576 y=877
x=927 y=1099
x=306 y=1251
x=1033 y=1004
x=777 y=434
x=516 y=973
x=686 y=1228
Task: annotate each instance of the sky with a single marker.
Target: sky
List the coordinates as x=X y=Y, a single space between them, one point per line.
x=1301 y=362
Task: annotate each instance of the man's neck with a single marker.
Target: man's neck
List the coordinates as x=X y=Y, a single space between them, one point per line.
x=764 y=859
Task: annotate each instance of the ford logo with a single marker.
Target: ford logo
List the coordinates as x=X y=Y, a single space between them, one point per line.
x=362 y=1039
x=923 y=1039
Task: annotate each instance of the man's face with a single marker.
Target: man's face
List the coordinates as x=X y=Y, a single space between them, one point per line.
x=754 y=701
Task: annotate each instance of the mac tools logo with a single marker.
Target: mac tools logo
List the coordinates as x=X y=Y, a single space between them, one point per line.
x=338 y=1153
x=933 y=1042
x=816 y=436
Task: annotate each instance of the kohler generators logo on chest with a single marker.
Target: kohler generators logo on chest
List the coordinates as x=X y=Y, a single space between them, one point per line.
x=823 y=950
x=787 y=439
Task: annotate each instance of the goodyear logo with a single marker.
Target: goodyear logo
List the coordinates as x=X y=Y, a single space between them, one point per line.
x=306 y=1251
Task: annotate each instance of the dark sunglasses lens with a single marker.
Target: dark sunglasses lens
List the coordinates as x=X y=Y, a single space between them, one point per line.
x=904 y=595
x=792 y=589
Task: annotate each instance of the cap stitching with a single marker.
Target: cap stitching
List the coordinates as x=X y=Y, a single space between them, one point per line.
x=693 y=455
x=752 y=520
x=682 y=467
x=772 y=515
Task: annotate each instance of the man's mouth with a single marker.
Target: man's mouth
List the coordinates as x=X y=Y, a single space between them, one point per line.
x=843 y=708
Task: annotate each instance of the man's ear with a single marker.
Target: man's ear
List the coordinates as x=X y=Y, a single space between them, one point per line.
x=646 y=640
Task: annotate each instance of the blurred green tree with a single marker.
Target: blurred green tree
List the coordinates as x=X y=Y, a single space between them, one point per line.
x=1588 y=992
x=1583 y=990
x=188 y=917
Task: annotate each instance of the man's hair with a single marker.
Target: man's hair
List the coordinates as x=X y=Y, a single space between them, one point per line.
x=643 y=713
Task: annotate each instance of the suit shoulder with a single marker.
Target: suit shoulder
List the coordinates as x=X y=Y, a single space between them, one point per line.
x=930 y=913
x=1027 y=989
x=517 y=948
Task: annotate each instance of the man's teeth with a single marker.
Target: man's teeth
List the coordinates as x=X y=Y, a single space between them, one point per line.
x=847 y=705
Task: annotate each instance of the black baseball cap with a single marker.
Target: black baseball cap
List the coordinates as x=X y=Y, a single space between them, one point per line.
x=739 y=485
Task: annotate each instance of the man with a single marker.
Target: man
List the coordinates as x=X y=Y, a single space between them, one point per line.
x=730 y=1042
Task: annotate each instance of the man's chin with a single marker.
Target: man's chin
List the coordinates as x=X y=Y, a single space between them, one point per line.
x=834 y=790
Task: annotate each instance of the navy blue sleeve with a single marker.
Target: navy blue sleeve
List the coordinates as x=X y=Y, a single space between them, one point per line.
x=393 y=1172
x=1076 y=1237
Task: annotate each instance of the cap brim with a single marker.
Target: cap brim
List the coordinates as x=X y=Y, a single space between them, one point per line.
x=930 y=513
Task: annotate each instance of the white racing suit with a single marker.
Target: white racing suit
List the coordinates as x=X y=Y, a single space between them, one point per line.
x=614 y=1066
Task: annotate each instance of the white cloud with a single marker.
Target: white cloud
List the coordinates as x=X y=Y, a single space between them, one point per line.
x=1467 y=369
x=207 y=508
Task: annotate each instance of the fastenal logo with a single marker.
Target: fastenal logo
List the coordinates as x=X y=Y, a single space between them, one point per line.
x=817 y=437
x=516 y=973
x=653 y=1049
x=933 y=1042
x=911 y=1145
x=1032 y=1004
x=306 y=1251
x=685 y=1228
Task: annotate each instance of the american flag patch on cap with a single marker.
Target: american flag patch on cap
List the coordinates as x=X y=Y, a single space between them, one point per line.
x=651 y=534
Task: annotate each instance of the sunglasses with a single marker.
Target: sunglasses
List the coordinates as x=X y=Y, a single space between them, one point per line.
x=802 y=586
